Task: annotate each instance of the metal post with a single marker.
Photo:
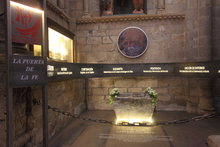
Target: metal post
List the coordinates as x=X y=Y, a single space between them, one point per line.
x=44 y=88
x=86 y=92
x=9 y=100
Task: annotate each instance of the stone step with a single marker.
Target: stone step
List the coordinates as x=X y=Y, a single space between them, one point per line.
x=214 y=141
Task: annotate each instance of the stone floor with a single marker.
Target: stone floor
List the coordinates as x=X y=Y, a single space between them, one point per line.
x=80 y=133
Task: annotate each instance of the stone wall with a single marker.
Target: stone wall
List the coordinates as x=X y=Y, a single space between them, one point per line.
x=198 y=30
x=76 y=8
x=97 y=43
x=66 y=95
x=175 y=93
x=181 y=40
x=170 y=41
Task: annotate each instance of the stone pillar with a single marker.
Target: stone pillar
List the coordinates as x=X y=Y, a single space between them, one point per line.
x=108 y=7
x=86 y=8
x=151 y=6
x=160 y=6
x=138 y=6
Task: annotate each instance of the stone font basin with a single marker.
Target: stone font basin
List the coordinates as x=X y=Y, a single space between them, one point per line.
x=133 y=108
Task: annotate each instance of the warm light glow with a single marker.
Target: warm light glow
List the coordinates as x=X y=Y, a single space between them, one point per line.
x=27 y=7
x=60 y=46
x=133 y=113
x=148 y=120
x=37 y=50
x=194 y=69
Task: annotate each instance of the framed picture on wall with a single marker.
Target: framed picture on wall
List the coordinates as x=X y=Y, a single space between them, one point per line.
x=132 y=42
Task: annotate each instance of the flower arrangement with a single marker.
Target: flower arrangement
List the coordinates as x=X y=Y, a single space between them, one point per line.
x=113 y=94
x=153 y=95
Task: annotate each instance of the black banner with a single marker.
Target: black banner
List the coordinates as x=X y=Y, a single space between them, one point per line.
x=27 y=71
x=65 y=71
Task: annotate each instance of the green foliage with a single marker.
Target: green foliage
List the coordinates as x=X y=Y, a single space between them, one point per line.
x=153 y=95
x=113 y=94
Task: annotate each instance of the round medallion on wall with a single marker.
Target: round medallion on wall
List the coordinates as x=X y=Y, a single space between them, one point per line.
x=132 y=42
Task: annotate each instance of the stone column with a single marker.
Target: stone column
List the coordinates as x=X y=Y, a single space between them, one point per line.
x=215 y=50
x=86 y=8
x=108 y=7
x=138 y=6
x=151 y=6
x=160 y=5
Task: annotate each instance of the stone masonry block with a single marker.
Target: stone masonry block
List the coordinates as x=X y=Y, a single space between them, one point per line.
x=204 y=11
x=97 y=57
x=206 y=103
x=205 y=3
x=193 y=99
x=94 y=40
x=144 y=83
x=99 y=91
x=194 y=82
x=121 y=90
x=82 y=33
x=181 y=98
x=106 y=40
x=191 y=108
x=195 y=92
x=107 y=82
x=216 y=10
x=176 y=91
x=213 y=140
x=134 y=89
x=87 y=27
x=103 y=47
x=83 y=48
x=98 y=33
x=200 y=92
x=163 y=82
x=125 y=83
x=161 y=91
x=157 y=52
x=178 y=37
x=177 y=82
x=101 y=105
x=114 y=32
x=95 y=82
x=96 y=98
x=164 y=98
x=81 y=40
